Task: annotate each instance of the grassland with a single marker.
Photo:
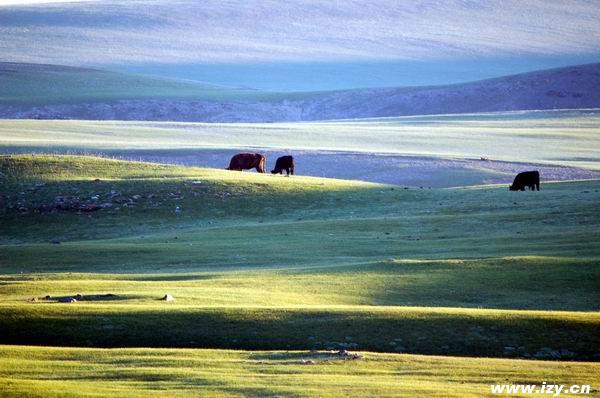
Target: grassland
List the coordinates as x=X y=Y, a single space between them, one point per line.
x=566 y=138
x=263 y=262
x=39 y=85
x=53 y=372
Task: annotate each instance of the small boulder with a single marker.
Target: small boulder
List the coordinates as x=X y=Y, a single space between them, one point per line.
x=168 y=297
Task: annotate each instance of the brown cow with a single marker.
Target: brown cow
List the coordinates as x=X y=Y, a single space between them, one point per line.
x=244 y=161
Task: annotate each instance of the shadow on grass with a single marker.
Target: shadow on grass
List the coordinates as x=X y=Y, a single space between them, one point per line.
x=94 y=297
x=168 y=278
x=437 y=332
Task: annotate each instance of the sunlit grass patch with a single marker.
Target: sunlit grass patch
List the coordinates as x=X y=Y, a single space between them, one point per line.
x=53 y=371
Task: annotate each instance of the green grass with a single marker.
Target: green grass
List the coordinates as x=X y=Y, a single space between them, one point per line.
x=423 y=330
x=53 y=372
x=540 y=283
x=262 y=262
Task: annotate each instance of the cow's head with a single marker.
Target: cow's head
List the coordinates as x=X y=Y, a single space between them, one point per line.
x=512 y=188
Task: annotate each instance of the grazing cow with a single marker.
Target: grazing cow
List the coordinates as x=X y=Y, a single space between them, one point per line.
x=529 y=179
x=284 y=163
x=245 y=161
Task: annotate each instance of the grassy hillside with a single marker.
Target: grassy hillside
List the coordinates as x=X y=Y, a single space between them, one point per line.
x=32 y=91
x=565 y=138
x=40 y=85
x=268 y=262
x=53 y=372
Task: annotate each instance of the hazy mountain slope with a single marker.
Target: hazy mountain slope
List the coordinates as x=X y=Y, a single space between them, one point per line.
x=40 y=85
x=564 y=88
x=85 y=95
x=239 y=31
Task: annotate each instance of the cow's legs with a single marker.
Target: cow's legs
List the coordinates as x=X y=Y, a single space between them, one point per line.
x=292 y=170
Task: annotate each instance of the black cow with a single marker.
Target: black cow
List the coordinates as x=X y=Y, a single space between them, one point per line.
x=284 y=163
x=244 y=161
x=529 y=179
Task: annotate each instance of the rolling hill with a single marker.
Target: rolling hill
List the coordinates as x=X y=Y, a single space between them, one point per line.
x=56 y=92
x=32 y=85
x=274 y=277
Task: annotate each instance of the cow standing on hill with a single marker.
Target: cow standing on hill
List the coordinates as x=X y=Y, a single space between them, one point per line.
x=529 y=179
x=245 y=161
x=284 y=163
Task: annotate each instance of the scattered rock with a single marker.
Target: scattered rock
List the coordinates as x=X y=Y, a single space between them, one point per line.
x=567 y=354
x=168 y=297
x=549 y=353
x=88 y=208
x=67 y=300
x=307 y=362
x=55 y=242
x=348 y=355
x=177 y=209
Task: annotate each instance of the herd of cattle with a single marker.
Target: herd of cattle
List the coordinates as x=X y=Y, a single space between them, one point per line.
x=246 y=161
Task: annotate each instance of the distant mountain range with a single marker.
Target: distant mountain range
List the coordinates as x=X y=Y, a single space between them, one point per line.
x=60 y=92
